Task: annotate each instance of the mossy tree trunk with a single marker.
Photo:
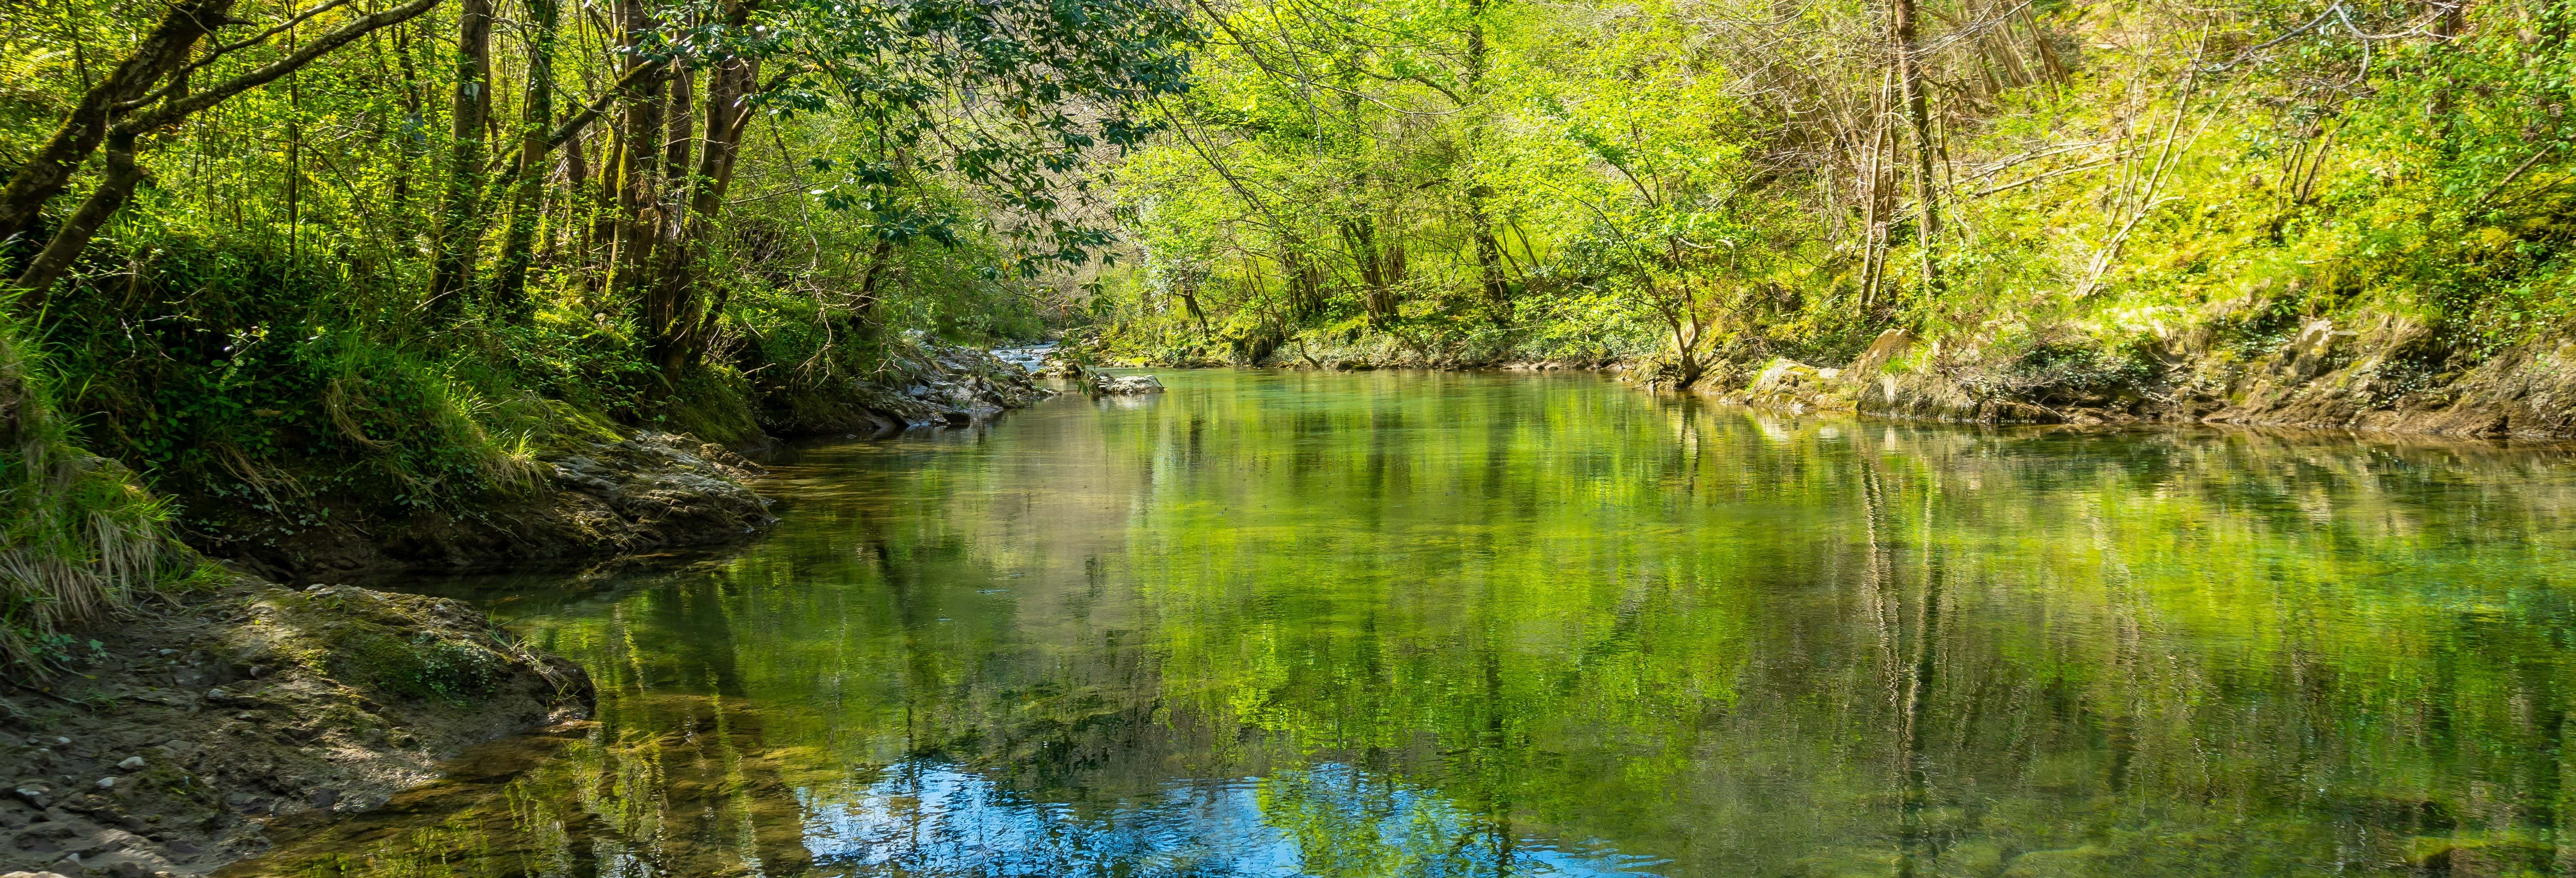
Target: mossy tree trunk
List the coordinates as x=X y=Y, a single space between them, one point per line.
x=460 y=222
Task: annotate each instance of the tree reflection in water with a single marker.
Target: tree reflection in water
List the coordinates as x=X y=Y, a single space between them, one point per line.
x=1435 y=625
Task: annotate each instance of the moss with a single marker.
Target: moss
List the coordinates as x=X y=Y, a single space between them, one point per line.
x=2059 y=373
x=713 y=404
x=423 y=666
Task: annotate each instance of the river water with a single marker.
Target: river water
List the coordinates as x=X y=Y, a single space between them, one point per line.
x=1291 y=623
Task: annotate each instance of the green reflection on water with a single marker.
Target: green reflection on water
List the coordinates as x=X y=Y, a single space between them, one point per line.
x=1444 y=624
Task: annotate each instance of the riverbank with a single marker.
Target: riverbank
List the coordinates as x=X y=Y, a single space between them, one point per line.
x=603 y=491
x=2371 y=377
x=176 y=738
x=2386 y=375
x=179 y=725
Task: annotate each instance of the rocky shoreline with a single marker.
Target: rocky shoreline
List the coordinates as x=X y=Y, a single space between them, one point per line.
x=2387 y=375
x=179 y=735
x=2322 y=378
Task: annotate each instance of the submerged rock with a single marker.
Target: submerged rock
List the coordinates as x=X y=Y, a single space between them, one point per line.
x=1124 y=385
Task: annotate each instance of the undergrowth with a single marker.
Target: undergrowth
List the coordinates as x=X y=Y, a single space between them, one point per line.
x=79 y=537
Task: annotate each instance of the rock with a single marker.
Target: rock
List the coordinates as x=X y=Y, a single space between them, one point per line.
x=1030 y=358
x=107 y=783
x=2063 y=863
x=1126 y=384
x=131 y=763
x=35 y=795
x=1797 y=387
x=926 y=386
x=1889 y=345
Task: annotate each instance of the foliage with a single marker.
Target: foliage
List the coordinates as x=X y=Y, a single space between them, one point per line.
x=78 y=537
x=426 y=666
x=331 y=296
x=2105 y=171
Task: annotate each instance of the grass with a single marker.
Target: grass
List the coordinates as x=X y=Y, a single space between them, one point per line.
x=82 y=536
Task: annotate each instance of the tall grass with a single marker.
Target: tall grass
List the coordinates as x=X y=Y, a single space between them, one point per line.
x=81 y=536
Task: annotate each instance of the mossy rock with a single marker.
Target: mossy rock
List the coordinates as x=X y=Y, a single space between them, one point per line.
x=2060 y=863
x=389 y=646
x=423 y=666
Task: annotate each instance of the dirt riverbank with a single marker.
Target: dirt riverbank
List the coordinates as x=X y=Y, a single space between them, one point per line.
x=183 y=733
x=180 y=735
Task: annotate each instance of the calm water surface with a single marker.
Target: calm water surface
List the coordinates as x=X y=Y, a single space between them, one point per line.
x=1444 y=624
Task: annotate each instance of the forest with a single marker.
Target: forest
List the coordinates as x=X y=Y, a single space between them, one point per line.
x=2054 y=190
x=272 y=262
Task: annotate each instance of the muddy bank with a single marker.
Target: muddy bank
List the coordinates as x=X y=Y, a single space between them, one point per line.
x=186 y=733
x=651 y=491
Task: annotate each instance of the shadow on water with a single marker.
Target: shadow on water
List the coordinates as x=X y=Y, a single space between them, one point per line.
x=1462 y=625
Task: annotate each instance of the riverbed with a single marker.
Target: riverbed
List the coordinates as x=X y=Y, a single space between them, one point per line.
x=1449 y=624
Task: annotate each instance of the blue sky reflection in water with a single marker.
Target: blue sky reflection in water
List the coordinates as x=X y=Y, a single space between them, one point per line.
x=929 y=818
x=1405 y=624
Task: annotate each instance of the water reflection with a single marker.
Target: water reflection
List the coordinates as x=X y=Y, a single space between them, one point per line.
x=1404 y=624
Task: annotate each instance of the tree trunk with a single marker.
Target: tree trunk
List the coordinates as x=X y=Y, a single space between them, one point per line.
x=460 y=225
x=1918 y=115
x=50 y=169
x=669 y=306
x=509 y=291
x=414 y=145
x=863 y=310
x=123 y=173
x=1489 y=253
x=728 y=107
x=1305 y=283
x=176 y=105
x=638 y=209
x=675 y=140
x=1376 y=269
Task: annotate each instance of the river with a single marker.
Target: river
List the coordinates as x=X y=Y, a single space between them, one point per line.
x=1442 y=624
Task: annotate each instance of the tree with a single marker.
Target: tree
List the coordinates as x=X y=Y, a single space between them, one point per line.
x=124 y=122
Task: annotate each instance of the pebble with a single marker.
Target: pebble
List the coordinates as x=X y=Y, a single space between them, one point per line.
x=107 y=783
x=131 y=763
